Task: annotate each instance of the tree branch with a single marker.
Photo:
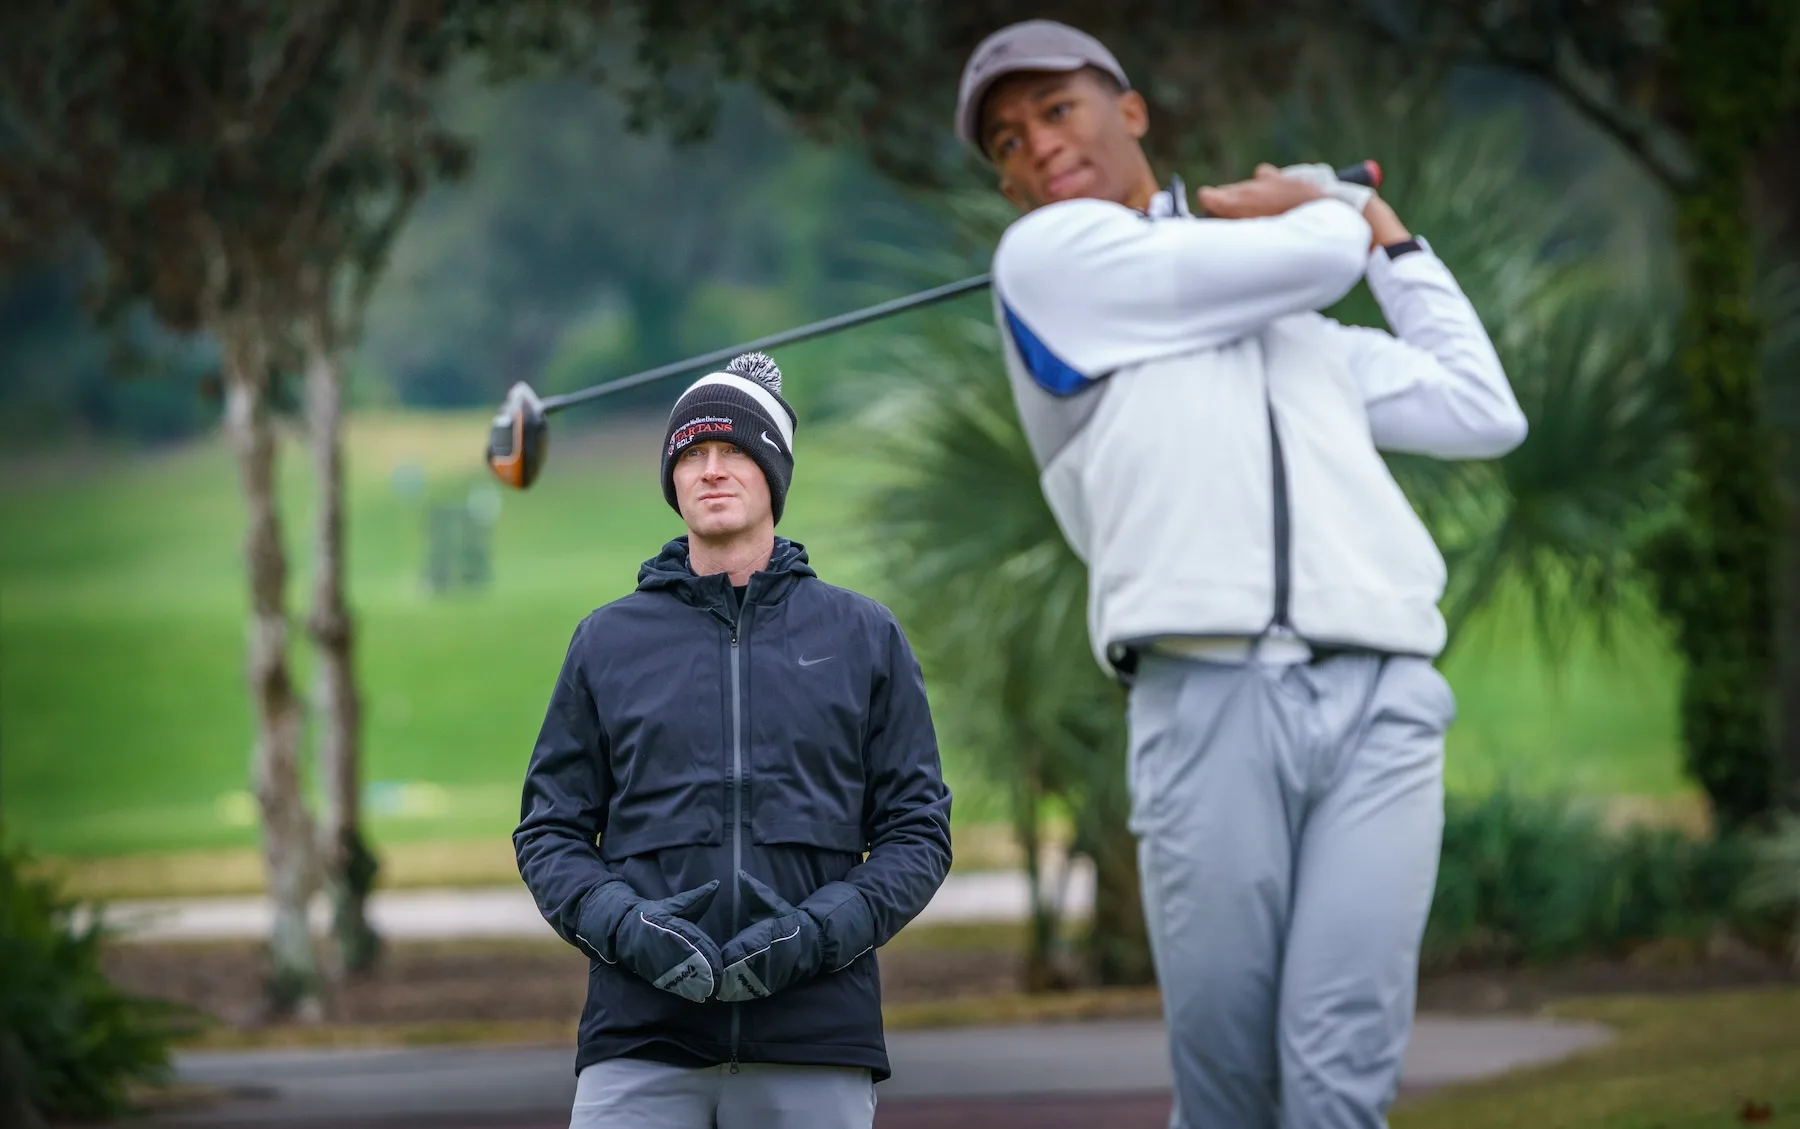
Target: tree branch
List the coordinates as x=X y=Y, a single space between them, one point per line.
x=1560 y=69
x=1356 y=18
x=372 y=259
x=35 y=135
x=357 y=107
x=363 y=80
x=217 y=273
x=304 y=43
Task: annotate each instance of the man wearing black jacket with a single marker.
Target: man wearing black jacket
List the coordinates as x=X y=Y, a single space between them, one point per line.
x=734 y=800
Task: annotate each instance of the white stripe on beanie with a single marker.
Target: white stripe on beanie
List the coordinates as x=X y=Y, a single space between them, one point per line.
x=764 y=398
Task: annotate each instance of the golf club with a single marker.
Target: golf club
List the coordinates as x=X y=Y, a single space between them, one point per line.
x=519 y=440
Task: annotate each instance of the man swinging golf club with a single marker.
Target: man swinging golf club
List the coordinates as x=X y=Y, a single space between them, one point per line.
x=752 y=750
x=1208 y=442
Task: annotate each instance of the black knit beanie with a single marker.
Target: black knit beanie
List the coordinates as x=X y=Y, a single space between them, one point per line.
x=741 y=406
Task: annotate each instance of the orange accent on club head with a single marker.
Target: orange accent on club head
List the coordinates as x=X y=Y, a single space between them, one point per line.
x=510 y=469
x=1374 y=174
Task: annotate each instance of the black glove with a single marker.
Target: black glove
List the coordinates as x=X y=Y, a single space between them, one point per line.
x=783 y=948
x=658 y=940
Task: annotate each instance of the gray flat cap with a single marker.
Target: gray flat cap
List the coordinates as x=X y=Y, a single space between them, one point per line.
x=1034 y=45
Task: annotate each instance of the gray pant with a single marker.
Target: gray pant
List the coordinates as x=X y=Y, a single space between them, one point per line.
x=1288 y=823
x=636 y=1094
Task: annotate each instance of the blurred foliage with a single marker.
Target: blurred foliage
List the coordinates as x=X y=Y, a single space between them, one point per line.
x=73 y=1041
x=1535 y=880
x=1774 y=885
x=884 y=73
x=1564 y=514
x=1716 y=568
x=579 y=250
x=1597 y=512
x=1590 y=356
x=60 y=375
x=573 y=251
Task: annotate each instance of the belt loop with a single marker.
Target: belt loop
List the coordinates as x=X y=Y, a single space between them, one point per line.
x=1124 y=660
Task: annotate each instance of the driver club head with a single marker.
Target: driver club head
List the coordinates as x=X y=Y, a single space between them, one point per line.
x=519 y=441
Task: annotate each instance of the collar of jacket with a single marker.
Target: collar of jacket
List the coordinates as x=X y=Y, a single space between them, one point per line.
x=670 y=571
x=1171 y=201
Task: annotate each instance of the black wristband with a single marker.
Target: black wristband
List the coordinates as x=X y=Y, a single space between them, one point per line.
x=1395 y=250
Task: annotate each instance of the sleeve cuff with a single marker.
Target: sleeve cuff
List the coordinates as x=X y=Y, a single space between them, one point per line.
x=601 y=911
x=846 y=924
x=1387 y=273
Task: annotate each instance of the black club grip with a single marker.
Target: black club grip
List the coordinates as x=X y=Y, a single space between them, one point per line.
x=1366 y=173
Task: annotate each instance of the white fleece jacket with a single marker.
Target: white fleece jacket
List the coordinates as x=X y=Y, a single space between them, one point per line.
x=1153 y=358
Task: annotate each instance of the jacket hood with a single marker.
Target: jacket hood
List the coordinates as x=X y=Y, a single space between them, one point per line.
x=671 y=571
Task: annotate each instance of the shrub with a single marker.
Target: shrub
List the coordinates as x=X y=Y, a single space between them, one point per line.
x=1775 y=884
x=1532 y=880
x=70 y=1039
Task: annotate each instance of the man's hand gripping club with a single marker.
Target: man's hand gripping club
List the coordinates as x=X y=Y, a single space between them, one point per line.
x=1273 y=191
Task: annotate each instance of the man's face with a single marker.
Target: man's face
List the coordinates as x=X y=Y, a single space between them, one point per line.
x=1059 y=137
x=721 y=490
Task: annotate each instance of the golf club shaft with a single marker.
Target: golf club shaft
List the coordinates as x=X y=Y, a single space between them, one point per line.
x=773 y=341
x=1363 y=172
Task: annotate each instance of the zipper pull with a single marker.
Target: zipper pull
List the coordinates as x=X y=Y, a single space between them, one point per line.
x=734 y=1065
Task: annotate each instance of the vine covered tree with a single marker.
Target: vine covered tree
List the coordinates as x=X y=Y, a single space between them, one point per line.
x=241 y=168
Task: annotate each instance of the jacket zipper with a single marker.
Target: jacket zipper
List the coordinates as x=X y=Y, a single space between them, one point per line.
x=1284 y=528
x=737 y=801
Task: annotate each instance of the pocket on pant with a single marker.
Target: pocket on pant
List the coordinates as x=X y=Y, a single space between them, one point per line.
x=1446 y=696
x=1143 y=794
x=1417 y=689
x=1150 y=720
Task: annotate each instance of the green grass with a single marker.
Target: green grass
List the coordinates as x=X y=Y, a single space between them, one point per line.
x=1599 y=722
x=124 y=726
x=1003 y=1010
x=1684 y=1062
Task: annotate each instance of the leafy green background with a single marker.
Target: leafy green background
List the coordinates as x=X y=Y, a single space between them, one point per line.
x=125 y=724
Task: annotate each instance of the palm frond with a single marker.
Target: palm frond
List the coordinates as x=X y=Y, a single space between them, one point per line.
x=1561 y=517
x=1557 y=520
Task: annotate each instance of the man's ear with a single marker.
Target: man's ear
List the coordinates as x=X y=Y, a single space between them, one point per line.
x=1136 y=113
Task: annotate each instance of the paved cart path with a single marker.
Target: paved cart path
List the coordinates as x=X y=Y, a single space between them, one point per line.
x=1096 y=1075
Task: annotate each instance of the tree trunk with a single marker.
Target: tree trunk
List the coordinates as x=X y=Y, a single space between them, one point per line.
x=1778 y=213
x=1118 y=939
x=288 y=842
x=1717 y=574
x=348 y=865
x=17 y=1109
x=1718 y=582
x=1117 y=947
x=1787 y=651
x=1039 y=972
x=1787 y=722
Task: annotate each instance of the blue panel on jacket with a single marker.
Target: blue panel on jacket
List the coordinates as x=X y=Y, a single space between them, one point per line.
x=1053 y=374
